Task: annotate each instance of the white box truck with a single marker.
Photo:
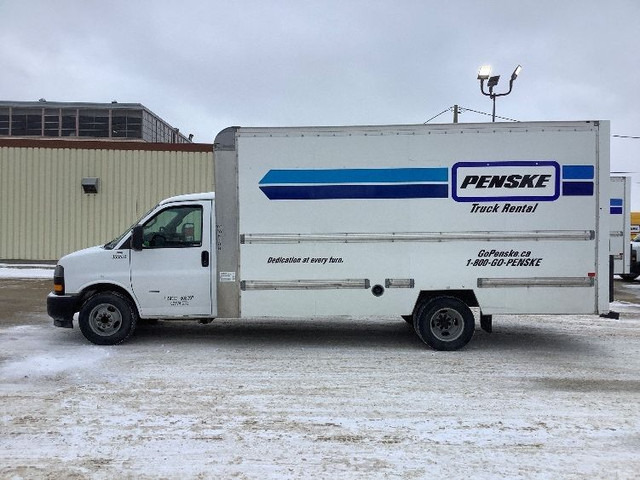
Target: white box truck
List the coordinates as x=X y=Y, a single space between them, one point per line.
x=620 y=225
x=439 y=224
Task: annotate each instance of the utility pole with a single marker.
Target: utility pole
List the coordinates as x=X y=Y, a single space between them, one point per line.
x=455 y=114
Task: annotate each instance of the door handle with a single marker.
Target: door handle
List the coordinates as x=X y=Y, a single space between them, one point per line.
x=204 y=258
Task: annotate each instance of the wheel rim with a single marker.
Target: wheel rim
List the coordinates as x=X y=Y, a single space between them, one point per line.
x=105 y=319
x=446 y=324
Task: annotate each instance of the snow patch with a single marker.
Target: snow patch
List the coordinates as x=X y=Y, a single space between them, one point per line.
x=40 y=358
x=23 y=271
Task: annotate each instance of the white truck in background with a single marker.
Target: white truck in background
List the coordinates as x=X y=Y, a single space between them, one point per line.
x=426 y=222
x=620 y=225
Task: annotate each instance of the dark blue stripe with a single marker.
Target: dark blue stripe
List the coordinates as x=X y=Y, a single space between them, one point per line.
x=326 y=192
x=615 y=210
x=580 y=189
x=578 y=172
x=616 y=202
x=357 y=175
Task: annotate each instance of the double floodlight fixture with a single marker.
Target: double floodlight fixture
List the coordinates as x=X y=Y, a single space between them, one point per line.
x=484 y=75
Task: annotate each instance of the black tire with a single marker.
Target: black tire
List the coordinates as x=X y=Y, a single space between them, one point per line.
x=107 y=318
x=630 y=277
x=444 y=323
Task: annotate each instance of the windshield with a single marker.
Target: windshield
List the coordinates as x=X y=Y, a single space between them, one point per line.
x=112 y=244
x=636 y=238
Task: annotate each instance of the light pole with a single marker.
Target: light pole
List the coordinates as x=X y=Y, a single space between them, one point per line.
x=485 y=74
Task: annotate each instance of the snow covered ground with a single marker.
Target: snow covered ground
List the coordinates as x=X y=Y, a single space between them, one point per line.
x=12 y=270
x=541 y=397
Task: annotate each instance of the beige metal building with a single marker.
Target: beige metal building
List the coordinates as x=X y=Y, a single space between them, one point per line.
x=46 y=205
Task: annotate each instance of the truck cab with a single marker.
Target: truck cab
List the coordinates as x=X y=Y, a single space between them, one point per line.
x=635 y=263
x=111 y=286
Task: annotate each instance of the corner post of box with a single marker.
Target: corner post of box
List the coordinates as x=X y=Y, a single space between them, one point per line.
x=227 y=241
x=603 y=180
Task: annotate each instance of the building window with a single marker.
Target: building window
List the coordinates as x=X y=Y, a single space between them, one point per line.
x=26 y=122
x=68 y=127
x=93 y=123
x=4 y=121
x=52 y=122
x=126 y=124
x=86 y=121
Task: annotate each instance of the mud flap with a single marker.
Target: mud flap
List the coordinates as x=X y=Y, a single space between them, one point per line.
x=613 y=315
x=486 y=322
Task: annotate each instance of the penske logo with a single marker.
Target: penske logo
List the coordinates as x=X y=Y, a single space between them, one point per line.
x=506 y=181
x=537 y=181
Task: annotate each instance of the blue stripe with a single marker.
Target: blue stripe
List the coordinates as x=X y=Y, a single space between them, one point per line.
x=616 y=202
x=578 y=172
x=325 y=192
x=357 y=175
x=615 y=210
x=579 y=189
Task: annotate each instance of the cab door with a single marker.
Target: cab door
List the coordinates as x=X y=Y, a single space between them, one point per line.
x=172 y=275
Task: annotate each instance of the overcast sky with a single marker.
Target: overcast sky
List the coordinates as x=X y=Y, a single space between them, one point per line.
x=206 y=65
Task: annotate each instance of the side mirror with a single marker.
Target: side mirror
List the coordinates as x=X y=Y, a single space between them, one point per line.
x=136 y=238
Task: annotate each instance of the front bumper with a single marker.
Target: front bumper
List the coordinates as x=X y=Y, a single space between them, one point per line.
x=61 y=308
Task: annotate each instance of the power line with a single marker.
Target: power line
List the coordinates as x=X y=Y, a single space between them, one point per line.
x=632 y=137
x=460 y=109
x=442 y=112
x=464 y=109
x=487 y=114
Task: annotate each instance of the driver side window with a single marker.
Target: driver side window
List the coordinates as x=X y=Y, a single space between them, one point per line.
x=174 y=227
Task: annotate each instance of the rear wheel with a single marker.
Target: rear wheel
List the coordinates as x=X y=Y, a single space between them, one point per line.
x=444 y=323
x=107 y=318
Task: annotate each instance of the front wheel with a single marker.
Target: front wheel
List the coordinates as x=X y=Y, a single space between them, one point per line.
x=444 y=323
x=107 y=318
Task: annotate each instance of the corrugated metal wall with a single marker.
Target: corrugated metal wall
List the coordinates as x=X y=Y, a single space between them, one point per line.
x=44 y=213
